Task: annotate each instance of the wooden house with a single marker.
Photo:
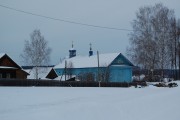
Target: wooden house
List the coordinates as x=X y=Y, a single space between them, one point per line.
x=10 y=69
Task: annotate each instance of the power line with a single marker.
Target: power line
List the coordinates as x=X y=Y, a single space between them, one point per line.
x=63 y=20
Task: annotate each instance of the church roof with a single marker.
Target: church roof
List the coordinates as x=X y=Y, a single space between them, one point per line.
x=89 y=61
x=71 y=49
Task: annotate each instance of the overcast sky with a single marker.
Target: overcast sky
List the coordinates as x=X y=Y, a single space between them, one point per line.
x=15 y=27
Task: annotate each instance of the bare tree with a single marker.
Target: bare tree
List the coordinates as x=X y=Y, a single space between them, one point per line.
x=150 y=39
x=162 y=19
x=173 y=46
x=36 y=51
x=104 y=74
x=69 y=69
x=178 y=49
x=143 y=46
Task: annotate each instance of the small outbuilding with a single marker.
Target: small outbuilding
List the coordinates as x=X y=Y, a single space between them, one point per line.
x=44 y=72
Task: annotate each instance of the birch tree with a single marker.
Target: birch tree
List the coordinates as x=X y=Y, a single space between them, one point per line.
x=36 y=51
x=69 y=69
x=178 y=49
x=151 y=36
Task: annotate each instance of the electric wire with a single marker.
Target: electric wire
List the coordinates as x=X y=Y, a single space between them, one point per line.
x=63 y=20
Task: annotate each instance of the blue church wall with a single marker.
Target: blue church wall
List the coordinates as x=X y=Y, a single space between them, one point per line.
x=120 y=74
x=117 y=73
x=78 y=71
x=59 y=72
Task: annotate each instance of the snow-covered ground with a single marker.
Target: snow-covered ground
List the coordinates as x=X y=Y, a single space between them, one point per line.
x=66 y=103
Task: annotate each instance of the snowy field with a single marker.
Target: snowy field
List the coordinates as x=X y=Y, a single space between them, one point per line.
x=65 y=103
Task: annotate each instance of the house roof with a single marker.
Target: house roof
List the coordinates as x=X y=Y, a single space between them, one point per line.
x=89 y=61
x=4 y=54
x=11 y=67
x=1 y=55
x=5 y=67
x=43 y=72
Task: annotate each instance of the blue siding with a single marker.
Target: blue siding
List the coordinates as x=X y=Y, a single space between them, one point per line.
x=59 y=71
x=121 y=74
x=117 y=73
x=78 y=71
x=120 y=70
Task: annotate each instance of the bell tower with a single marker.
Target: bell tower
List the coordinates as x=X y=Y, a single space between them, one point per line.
x=72 y=51
x=90 y=51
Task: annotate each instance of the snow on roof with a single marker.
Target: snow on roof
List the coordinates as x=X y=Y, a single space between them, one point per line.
x=1 y=55
x=71 y=49
x=5 y=67
x=89 y=61
x=27 y=70
x=43 y=72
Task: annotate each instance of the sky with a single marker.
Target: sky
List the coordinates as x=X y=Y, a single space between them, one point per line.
x=16 y=27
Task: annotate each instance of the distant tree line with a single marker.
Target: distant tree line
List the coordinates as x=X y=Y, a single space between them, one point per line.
x=155 y=39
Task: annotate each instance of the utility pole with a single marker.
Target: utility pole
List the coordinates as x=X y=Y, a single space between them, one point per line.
x=65 y=69
x=98 y=68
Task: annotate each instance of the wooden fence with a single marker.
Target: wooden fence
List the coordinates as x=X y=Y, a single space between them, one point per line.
x=55 y=83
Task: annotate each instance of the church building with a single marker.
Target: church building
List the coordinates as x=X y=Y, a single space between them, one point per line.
x=110 y=67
